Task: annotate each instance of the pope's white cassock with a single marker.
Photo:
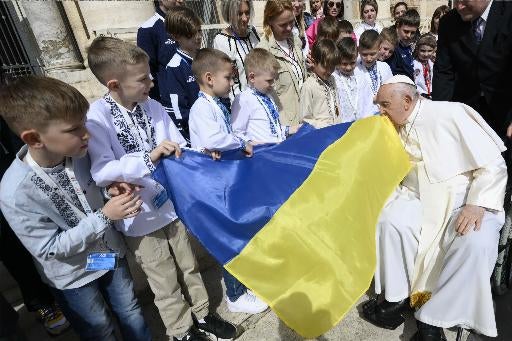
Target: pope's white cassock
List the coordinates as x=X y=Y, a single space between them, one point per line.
x=456 y=160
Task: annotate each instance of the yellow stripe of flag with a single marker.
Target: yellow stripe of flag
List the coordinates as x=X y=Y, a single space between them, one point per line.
x=316 y=256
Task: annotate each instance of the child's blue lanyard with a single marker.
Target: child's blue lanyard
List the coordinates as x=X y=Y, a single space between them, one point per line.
x=270 y=110
x=375 y=78
x=226 y=114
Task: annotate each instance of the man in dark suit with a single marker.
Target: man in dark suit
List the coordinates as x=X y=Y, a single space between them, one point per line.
x=474 y=60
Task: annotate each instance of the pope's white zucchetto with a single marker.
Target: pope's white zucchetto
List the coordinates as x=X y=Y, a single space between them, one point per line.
x=399 y=79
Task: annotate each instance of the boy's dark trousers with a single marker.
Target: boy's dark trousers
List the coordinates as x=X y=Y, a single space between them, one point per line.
x=8 y=320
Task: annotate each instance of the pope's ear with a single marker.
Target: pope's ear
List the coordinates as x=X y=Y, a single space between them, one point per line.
x=407 y=98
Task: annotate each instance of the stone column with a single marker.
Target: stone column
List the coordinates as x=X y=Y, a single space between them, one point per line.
x=352 y=11
x=384 y=16
x=58 y=50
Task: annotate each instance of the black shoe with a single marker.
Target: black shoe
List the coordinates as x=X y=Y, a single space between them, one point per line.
x=193 y=334
x=385 y=314
x=214 y=324
x=426 y=332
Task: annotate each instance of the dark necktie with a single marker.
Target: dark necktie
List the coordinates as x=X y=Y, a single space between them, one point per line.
x=478 y=30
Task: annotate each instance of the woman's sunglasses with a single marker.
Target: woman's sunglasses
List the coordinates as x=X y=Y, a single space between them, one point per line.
x=331 y=4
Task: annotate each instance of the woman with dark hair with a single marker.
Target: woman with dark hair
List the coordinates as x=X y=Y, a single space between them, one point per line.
x=369 y=10
x=434 y=23
x=238 y=39
x=332 y=8
x=399 y=9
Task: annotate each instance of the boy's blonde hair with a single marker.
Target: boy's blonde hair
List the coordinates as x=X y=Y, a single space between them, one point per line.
x=34 y=102
x=259 y=60
x=388 y=34
x=208 y=60
x=109 y=56
x=182 y=22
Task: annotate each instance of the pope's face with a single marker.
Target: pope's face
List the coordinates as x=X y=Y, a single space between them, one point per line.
x=393 y=104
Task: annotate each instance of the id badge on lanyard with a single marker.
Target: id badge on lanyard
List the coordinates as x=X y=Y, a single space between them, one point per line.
x=97 y=261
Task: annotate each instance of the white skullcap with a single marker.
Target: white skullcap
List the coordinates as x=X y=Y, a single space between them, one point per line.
x=399 y=79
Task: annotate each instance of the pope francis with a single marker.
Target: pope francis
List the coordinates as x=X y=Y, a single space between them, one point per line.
x=437 y=237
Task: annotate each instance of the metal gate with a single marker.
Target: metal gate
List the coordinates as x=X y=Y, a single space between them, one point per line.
x=208 y=12
x=14 y=59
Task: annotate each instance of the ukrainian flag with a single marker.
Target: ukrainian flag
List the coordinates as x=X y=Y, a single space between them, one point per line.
x=296 y=222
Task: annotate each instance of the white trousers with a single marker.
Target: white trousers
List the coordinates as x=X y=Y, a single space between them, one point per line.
x=463 y=293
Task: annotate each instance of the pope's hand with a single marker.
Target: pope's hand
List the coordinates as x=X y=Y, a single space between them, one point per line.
x=470 y=217
x=509 y=131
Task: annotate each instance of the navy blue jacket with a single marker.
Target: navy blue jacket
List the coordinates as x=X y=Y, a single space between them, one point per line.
x=401 y=61
x=178 y=90
x=153 y=38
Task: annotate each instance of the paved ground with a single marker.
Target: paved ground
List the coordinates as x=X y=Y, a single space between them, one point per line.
x=265 y=326
x=268 y=327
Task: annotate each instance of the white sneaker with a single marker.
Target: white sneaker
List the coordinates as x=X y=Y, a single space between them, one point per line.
x=247 y=303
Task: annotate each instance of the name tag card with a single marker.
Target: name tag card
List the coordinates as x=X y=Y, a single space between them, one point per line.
x=97 y=261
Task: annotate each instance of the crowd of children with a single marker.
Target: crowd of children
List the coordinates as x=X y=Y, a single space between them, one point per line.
x=161 y=98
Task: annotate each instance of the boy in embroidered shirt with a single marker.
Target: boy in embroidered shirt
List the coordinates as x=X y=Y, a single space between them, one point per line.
x=210 y=120
x=401 y=61
x=354 y=93
x=319 y=99
x=178 y=86
x=374 y=71
x=423 y=65
x=388 y=40
x=255 y=114
x=55 y=209
x=211 y=131
x=129 y=134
